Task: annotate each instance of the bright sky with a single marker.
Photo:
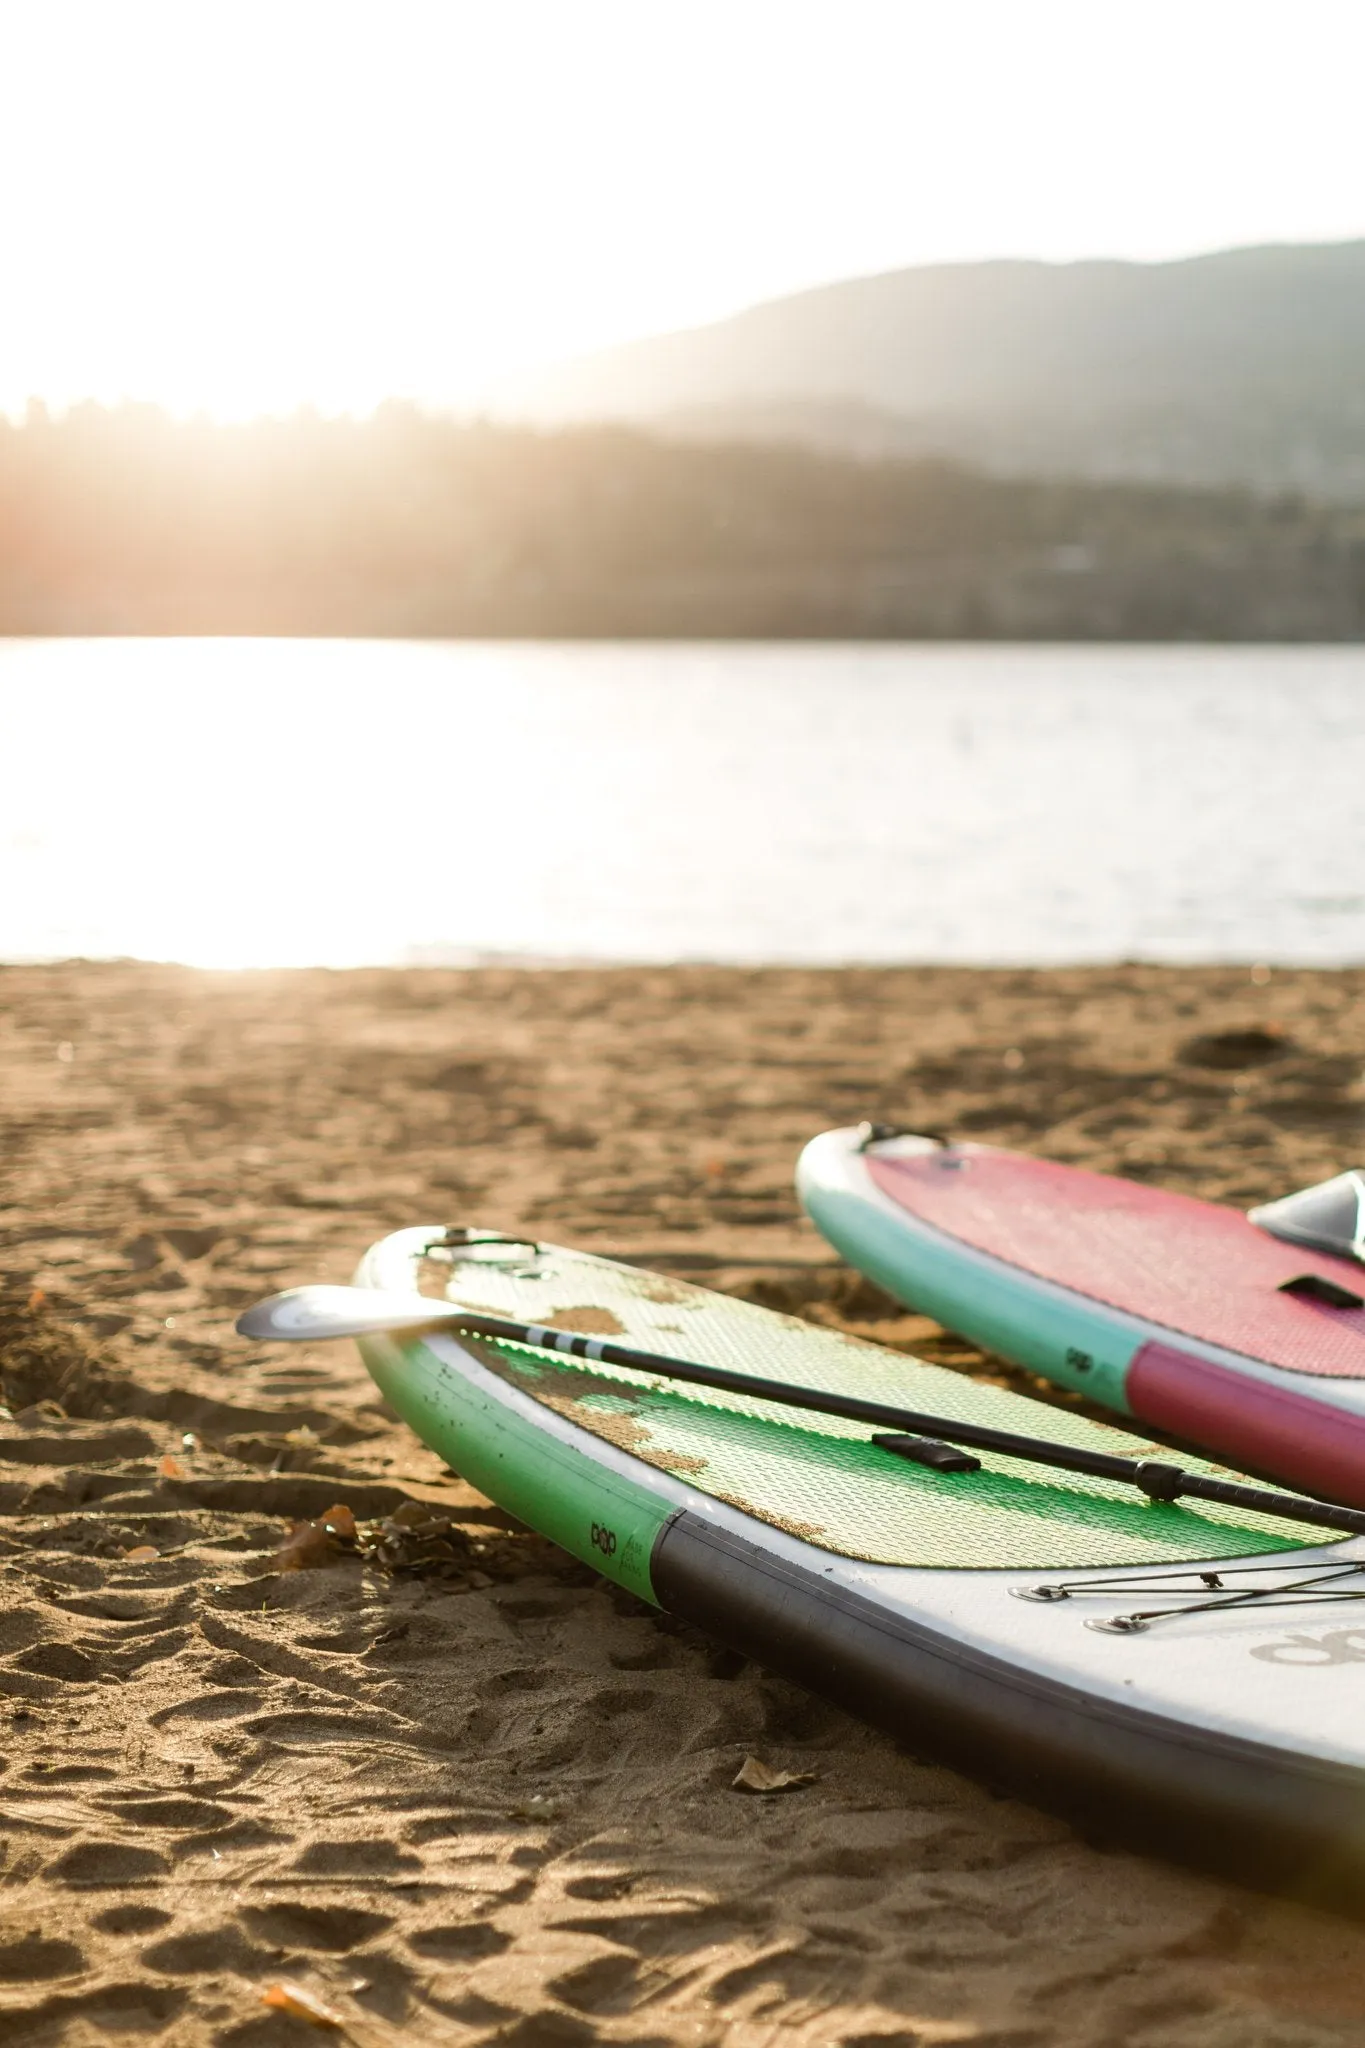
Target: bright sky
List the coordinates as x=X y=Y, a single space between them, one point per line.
x=243 y=205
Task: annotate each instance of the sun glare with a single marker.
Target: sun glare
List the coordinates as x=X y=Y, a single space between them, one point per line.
x=245 y=208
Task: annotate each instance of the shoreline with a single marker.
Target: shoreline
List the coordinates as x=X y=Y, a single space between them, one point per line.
x=1259 y=968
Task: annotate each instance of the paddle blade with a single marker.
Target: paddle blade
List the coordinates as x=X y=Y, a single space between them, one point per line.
x=306 y=1313
x=1330 y=1217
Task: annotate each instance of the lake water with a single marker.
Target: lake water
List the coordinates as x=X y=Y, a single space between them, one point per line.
x=241 y=803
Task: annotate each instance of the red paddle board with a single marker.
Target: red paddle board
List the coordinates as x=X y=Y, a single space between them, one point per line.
x=1188 y=1316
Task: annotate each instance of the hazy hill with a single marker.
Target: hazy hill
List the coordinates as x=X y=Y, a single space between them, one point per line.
x=1243 y=367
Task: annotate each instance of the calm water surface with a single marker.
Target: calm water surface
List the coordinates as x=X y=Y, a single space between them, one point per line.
x=236 y=803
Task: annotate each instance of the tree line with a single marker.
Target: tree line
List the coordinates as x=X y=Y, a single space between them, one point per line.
x=122 y=520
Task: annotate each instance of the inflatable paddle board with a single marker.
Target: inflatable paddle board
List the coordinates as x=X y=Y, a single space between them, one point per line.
x=1244 y=1336
x=1182 y=1672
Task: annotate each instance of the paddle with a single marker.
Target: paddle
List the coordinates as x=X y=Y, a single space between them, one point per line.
x=313 y=1312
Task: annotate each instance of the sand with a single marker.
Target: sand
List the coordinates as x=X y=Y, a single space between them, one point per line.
x=491 y=1800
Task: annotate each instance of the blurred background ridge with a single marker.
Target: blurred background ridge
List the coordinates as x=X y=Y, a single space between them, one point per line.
x=1241 y=367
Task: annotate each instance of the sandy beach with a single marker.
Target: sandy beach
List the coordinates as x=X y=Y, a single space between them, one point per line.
x=461 y=1791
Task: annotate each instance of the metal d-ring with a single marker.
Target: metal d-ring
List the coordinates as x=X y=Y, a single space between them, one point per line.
x=469 y=1237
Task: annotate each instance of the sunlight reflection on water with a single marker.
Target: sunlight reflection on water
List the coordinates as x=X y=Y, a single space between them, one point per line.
x=260 y=803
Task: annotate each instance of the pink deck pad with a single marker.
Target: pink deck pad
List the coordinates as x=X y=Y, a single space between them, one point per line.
x=1183 y=1266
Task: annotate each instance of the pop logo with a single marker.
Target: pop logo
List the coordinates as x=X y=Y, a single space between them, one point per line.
x=604 y=1540
x=1312 y=1653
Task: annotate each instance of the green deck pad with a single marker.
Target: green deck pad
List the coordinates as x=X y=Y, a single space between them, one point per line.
x=821 y=1478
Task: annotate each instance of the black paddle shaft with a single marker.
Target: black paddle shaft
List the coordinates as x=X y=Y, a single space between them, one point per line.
x=1155 y=1478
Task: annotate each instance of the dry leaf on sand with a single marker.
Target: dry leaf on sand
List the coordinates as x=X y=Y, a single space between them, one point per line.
x=287 y=1996
x=754 y=1775
x=414 y=1538
x=307 y=1548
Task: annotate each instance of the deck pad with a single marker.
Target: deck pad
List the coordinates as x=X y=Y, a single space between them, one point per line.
x=821 y=1478
x=1190 y=1267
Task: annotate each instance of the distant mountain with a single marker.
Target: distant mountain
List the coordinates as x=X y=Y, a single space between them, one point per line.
x=1246 y=367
